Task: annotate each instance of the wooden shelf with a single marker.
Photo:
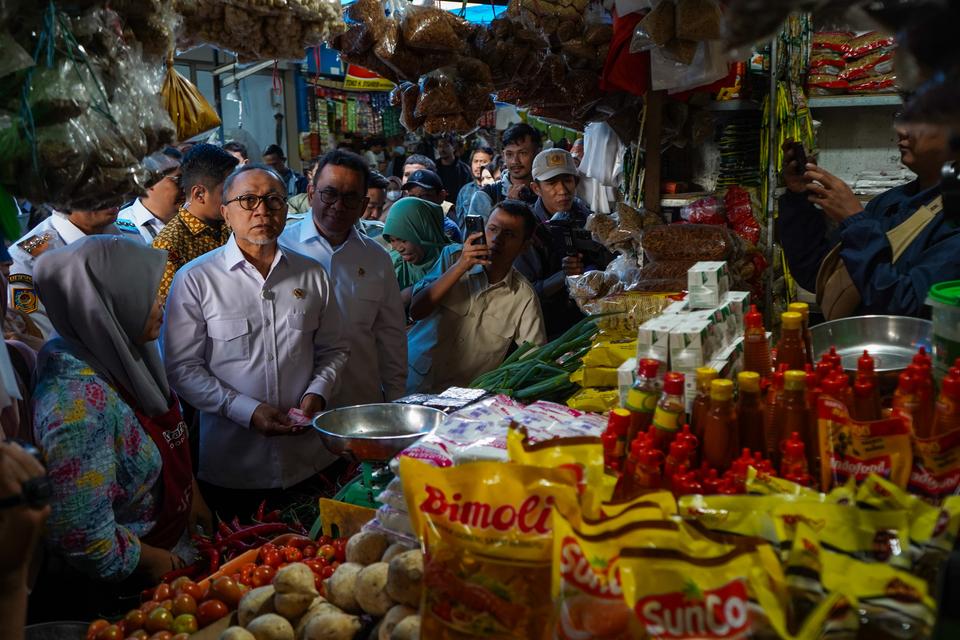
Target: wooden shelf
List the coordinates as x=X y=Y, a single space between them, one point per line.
x=881 y=100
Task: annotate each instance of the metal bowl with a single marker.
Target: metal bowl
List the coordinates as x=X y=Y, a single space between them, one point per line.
x=375 y=432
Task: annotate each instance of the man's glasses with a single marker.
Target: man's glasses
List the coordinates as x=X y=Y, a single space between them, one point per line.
x=330 y=196
x=250 y=202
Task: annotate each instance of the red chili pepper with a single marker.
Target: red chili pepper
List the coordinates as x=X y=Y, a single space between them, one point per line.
x=188 y=571
x=273 y=516
x=260 y=510
x=214 y=560
x=235 y=524
x=224 y=529
x=256 y=530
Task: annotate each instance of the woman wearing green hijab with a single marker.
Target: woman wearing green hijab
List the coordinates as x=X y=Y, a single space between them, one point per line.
x=414 y=229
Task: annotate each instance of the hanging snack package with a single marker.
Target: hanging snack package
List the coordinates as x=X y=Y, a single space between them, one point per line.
x=857 y=449
x=188 y=109
x=433 y=29
x=737 y=594
x=698 y=20
x=936 y=466
x=486 y=530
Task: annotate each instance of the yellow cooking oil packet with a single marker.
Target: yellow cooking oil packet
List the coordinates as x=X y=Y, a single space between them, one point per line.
x=737 y=594
x=765 y=484
x=664 y=500
x=487 y=533
x=610 y=353
x=870 y=536
x=593 y=400
x=742 y=515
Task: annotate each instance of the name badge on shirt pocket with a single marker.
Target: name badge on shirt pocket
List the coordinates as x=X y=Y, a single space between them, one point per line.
x=231 y=336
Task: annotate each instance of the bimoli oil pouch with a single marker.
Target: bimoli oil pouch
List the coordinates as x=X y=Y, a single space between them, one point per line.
x=487 y=533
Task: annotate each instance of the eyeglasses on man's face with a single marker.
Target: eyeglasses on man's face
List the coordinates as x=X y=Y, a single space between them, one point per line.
x=250 y=201
x=349 y=200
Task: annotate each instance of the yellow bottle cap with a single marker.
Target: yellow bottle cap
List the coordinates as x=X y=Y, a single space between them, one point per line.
x=800 y=307
x=721 y=389
x=749 y=381
x=623 y=413
x=705 y=374
x=795 y=380
x=791 y=320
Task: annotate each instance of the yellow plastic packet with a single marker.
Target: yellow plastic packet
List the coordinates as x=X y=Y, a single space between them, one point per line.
x=870 y=536
x=583 y=455
x=738 y=594
x=189 y=110
x=610 y=354
x=851 y=449
x=487 y=533
x=936 y=466
x=764 y=484
x=594 y=400
x=664 y=500
x=741 y=515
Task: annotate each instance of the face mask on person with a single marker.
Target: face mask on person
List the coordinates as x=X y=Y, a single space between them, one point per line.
x=393 y=196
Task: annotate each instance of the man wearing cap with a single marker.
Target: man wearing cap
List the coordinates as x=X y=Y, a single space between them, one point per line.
x=159 y=205
x=427 y=185
x=546 y=263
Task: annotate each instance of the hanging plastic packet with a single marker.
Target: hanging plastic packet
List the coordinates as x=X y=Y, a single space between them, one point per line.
x=738 y=594
x=850 y=449
x=935 y=473
x=486 y=529
x=188 y=109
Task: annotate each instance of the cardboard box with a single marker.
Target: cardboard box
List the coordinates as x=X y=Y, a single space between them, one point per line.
x=693 y=342
x=739 y=302
x=707 y=284
x=653 y=338
x=626 y=376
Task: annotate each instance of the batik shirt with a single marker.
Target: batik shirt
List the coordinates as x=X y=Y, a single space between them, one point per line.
x=185 y=238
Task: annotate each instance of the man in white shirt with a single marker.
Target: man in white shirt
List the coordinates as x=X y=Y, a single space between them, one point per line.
x=58 y=230
x=363 y=279
x=253 y=331
x=150 y=212
x=473 y=305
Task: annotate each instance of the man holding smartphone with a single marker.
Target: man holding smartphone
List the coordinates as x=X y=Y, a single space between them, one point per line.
x=473 y=305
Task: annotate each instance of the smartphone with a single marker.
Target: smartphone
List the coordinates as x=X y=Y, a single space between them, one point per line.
x=474 y=224
x=800 y=155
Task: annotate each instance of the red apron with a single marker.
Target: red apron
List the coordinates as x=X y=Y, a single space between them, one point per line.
x=169 y=433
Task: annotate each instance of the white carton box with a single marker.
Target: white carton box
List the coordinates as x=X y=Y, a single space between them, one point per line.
x=693 y=343
x=625 y=378
x=739 y=302
x=653 y=338
x=678 y=307
x=707 y=284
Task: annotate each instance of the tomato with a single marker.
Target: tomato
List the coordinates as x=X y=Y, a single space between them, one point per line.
x=292 y=554
x=327 y=571
x=162 y=592
x=227 y=590
x=322 y=540
x=318 y=583
x=139 y=634
x=264 y=551
x=147 y=607
x=160 y=619
x=135 y=619
x=185 y=623
x=211 y=611
x=246 y=573
x=327 y=552
x=178 y=584
x=340 y=544
x=112 y=632
x=161 y=635
x=271 y=558
x=262 y=576
x=184 y=603
x=315 y=565
x=192 y=589
x=310 y=551
x=298 y=543
x=96 y=627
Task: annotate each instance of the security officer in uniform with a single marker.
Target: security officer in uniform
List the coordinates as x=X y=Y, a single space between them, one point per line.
x=149 y=213
x=58 y=230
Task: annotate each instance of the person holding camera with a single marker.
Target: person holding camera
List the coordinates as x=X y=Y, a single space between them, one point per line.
x=473 y=304
x=880 y=258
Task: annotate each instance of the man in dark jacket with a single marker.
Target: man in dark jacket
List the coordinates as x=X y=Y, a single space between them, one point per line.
x=892 y=271
x=521 y=144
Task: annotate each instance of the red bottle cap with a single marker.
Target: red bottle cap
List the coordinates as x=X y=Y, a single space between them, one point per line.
x=793 y=447
x=740 y=465
x=650 y=457
x=688 y=438
x=907 y=383
x=619 y=422
x=711 y=482
x=753 y=319
x=865 y=363
x=673 y=384
x=679 y=450
x=648 y=368
x=863 y=388
x=834 y=358
x=686 y=484
x=729 y=486
x=922 y=357
x=824 y=369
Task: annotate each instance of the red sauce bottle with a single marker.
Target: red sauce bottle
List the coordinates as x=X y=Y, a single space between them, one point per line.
x=702 y=401
x=804 y=310
x=792 y=414
x=616 y=433
x=721 y=436
x=670 y=411
x=756 y=348
x=791 y=350
x=678 y=457
x=750 y=412
x=770 y=433
x=923 y=416
x=647 y=473
x=905 y=397
x=947 y=413
x=642 y=397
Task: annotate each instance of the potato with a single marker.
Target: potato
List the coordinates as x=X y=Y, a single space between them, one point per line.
x=236 y=633
x=393 y=618
x=405 y=578
x=320 y=605
x=292 y=605
x=393 y=551
x=254 y=603
x=270 y=627
x=295 y=578
x=340 y=588
x=366 y=547
x=407 y=629
x=332 y=626
x=371 y=595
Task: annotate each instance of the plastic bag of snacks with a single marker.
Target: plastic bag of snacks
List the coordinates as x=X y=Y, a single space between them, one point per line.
x=877 y=63
x=488 y=540
x=850 y=449
x=188 y=109
x=826 y=85
x=886 y=83
x=836 y=41
x=583 y=456
x=867 y=43
x=936 y=466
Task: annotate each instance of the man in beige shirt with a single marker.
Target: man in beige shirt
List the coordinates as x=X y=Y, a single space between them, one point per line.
x=473 y=305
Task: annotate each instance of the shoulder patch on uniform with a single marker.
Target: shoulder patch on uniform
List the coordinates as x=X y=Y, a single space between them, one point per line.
x=35 y=245
x=126 y=225
x=24 y=278
x=25 y=300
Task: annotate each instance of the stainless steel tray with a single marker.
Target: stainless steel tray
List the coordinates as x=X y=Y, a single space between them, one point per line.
x=375 y=432
x=891 y=340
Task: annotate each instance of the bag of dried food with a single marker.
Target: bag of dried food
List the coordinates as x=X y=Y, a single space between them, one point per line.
x=690 y=242
x=433 y=29
x=189 y=110
x=486 y=529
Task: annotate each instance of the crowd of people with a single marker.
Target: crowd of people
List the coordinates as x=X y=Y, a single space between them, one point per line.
x=180 y=346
